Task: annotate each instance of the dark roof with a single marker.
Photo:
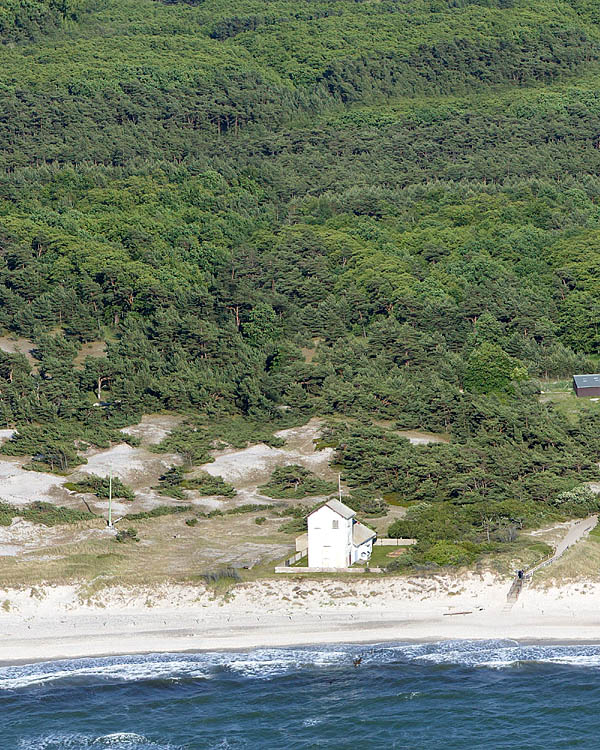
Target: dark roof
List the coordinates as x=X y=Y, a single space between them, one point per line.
x=587 y=381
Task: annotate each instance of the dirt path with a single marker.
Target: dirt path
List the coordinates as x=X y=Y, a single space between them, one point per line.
x=577 y=530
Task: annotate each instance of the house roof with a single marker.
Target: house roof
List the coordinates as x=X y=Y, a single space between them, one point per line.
x=587 y=381
x=339 y=508
x=361 y=534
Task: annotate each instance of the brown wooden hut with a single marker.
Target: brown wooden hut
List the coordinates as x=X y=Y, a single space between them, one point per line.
x=586 y=385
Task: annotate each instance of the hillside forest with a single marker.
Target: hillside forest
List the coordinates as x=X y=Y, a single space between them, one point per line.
x=383 y=214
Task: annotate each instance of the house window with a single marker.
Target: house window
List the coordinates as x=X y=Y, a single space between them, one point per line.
x=335 y=524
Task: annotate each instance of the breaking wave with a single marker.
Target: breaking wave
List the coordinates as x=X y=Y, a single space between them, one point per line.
x=116 y=741
x=270 y=663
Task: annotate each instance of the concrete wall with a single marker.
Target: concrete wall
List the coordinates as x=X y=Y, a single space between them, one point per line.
x=352 y=571
x=302 y=543
x=329 y=547
x=389 y=542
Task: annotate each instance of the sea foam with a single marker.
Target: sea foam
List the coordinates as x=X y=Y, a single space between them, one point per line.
x=271 y=663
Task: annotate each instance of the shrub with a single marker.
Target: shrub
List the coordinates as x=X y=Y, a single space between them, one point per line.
x=295 y=482
x=100 y=486
x=173 y=484
x=445 y=552
x=577 y=502
x=191 y=442
x=259 y=520
x=206 y=484
x=127 y=535
x=191 y=521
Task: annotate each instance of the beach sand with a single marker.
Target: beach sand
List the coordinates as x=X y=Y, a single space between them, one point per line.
x=53 y=622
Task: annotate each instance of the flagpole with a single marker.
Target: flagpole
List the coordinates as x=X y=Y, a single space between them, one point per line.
x=110 y=499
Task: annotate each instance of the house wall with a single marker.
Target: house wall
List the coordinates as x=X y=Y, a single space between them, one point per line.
x=329 y=547
x=589 y=392
x=363 y=551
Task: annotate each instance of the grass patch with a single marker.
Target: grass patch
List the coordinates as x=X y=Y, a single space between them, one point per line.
x=161 y=510
x=247 y=508
x=381 y=558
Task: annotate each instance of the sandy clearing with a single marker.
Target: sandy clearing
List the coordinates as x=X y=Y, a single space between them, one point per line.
x=95 y=349
x=136 y=467
x=417 y=437
x=153 y=428
x=252 y=466
x=19 y=345
x=19 y=486
x=23 y=536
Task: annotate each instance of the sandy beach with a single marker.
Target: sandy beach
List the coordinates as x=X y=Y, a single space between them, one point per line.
x=53 y=623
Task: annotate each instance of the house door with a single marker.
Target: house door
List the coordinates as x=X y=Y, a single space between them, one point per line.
x=327 y=559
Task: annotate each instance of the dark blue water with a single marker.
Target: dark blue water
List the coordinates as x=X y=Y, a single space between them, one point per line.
x=465 y=695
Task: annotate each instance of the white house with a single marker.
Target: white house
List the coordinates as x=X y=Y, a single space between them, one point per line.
x=335 y=538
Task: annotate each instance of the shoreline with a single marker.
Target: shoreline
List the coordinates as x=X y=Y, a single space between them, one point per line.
x=250 y=649
x=54 y=624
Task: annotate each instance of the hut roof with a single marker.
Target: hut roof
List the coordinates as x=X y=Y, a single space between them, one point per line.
x=587 y=381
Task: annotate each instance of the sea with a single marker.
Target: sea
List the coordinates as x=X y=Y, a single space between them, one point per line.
x=454 y=694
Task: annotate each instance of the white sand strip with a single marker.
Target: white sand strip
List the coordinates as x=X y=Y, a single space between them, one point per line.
x=52 y=623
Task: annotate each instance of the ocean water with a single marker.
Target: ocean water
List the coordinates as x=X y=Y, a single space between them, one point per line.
x=467 y=695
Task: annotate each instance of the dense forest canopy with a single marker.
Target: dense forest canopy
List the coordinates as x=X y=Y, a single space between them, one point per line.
x=407 y=190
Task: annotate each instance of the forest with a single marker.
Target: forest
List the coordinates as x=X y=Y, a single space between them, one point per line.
x=408 y=190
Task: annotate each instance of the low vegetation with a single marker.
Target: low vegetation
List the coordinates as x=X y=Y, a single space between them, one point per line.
x=173 y=483
x=101 y=487
x=127 y=535
x=158 y=511
x=295 y=482
x=42 y=513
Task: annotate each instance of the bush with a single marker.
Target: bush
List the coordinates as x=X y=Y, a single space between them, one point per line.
x=191 y=521
x=206 y=484
x=445 y=552
x=580 y=501
x=259 y=520
x=298 y=524
x=192 y=443
x=173 y=483
x=100 y=486
x=127 y=535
